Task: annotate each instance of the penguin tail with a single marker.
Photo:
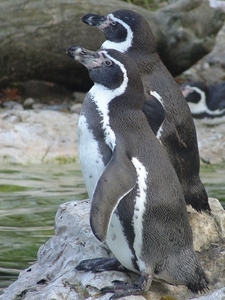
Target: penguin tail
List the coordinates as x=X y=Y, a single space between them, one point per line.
x=199 y=283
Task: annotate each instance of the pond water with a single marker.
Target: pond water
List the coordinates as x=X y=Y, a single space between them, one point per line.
x=30 y=196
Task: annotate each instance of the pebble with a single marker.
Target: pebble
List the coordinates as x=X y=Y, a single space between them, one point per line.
x=38 y=106
x=12 y=118
x=76 y=108
x=78 y=97
x=12 y=105
x=28 y=102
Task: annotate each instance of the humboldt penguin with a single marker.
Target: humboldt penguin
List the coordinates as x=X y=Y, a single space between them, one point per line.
x=206 y=102
x=137 y=203
x=128 y=32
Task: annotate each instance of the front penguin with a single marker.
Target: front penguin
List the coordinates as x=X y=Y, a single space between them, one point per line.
x=137 y=204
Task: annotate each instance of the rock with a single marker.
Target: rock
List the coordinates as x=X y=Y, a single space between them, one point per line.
x=53 y=276
x=211 y=142
x=78 y=97
x=76 y=108
x=217 y=295
x=12 y=118
x=42 y=30
x=12 y=105
x=211 y=68
x=40 y=136
x=28 y=102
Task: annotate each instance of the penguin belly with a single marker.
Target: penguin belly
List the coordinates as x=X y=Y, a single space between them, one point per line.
x=126 y=242
x=91 y=159
x=118 y=244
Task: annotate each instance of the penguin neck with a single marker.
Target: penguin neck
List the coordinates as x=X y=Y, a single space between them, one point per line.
x=146 y=63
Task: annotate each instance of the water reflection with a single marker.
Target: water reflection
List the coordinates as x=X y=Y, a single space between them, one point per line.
x=30 y=196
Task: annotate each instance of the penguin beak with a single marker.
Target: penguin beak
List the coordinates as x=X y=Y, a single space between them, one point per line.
x=186 y=90
x=89 y=59
x=94 y=20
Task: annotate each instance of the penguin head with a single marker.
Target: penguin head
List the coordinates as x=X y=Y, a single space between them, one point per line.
x=195 y=94
x=193 y=91
x=124 y=30
x=111 y=69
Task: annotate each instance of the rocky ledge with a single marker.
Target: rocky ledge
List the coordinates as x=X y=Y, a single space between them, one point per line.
x=42 y=135
x=53 y=276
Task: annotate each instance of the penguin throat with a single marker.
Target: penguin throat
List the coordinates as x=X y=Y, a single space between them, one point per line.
x=120 y=46
x=102 y=96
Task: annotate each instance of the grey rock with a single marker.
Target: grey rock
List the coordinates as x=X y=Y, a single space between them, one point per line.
x=211 y=68
x=185 y=31
x=28 y=102
x=78 y=97
x=38 y=106
x=211 y=142
x=12 y=118
x=57 y=107
x=217 y=295
x=18 y=106
x=76 y=108
x=53 y=276
x=13 y=105
x=40 y=137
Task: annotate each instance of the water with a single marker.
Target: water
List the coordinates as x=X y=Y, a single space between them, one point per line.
x=30 y=196
x=29 y=199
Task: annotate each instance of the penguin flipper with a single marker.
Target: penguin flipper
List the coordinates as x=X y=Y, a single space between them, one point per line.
x=118 y=179
x=123 y=289
x=101 y=264
x=154 y=113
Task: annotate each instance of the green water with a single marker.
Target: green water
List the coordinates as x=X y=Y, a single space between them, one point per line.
x=29 y=199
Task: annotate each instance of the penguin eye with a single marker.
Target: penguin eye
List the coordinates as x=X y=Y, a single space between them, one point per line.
x=108 y=62
x=114 y=23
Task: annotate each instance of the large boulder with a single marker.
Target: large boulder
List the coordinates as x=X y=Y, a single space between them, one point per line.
x=35 y=34
x=54 y=277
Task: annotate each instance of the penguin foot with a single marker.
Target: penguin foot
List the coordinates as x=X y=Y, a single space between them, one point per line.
x=100 y=264
x=122 y=289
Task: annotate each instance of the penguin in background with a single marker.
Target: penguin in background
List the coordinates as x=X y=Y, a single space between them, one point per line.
x=137 y=203
x=128 y=32
x=206 y=102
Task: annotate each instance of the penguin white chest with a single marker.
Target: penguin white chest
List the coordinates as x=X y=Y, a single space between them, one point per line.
x=91 y=159
x=117 y=237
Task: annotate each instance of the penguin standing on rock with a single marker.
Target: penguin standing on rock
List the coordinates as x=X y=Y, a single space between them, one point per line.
x=137 y=203
x=207 y=103
x=128 y=32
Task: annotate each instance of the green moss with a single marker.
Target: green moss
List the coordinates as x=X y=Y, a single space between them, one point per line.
x=12 y=188
x=148 y=4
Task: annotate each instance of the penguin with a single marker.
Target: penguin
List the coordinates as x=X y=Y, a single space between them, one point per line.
x=128 y=32
x=207 y=103
x=137 y=203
